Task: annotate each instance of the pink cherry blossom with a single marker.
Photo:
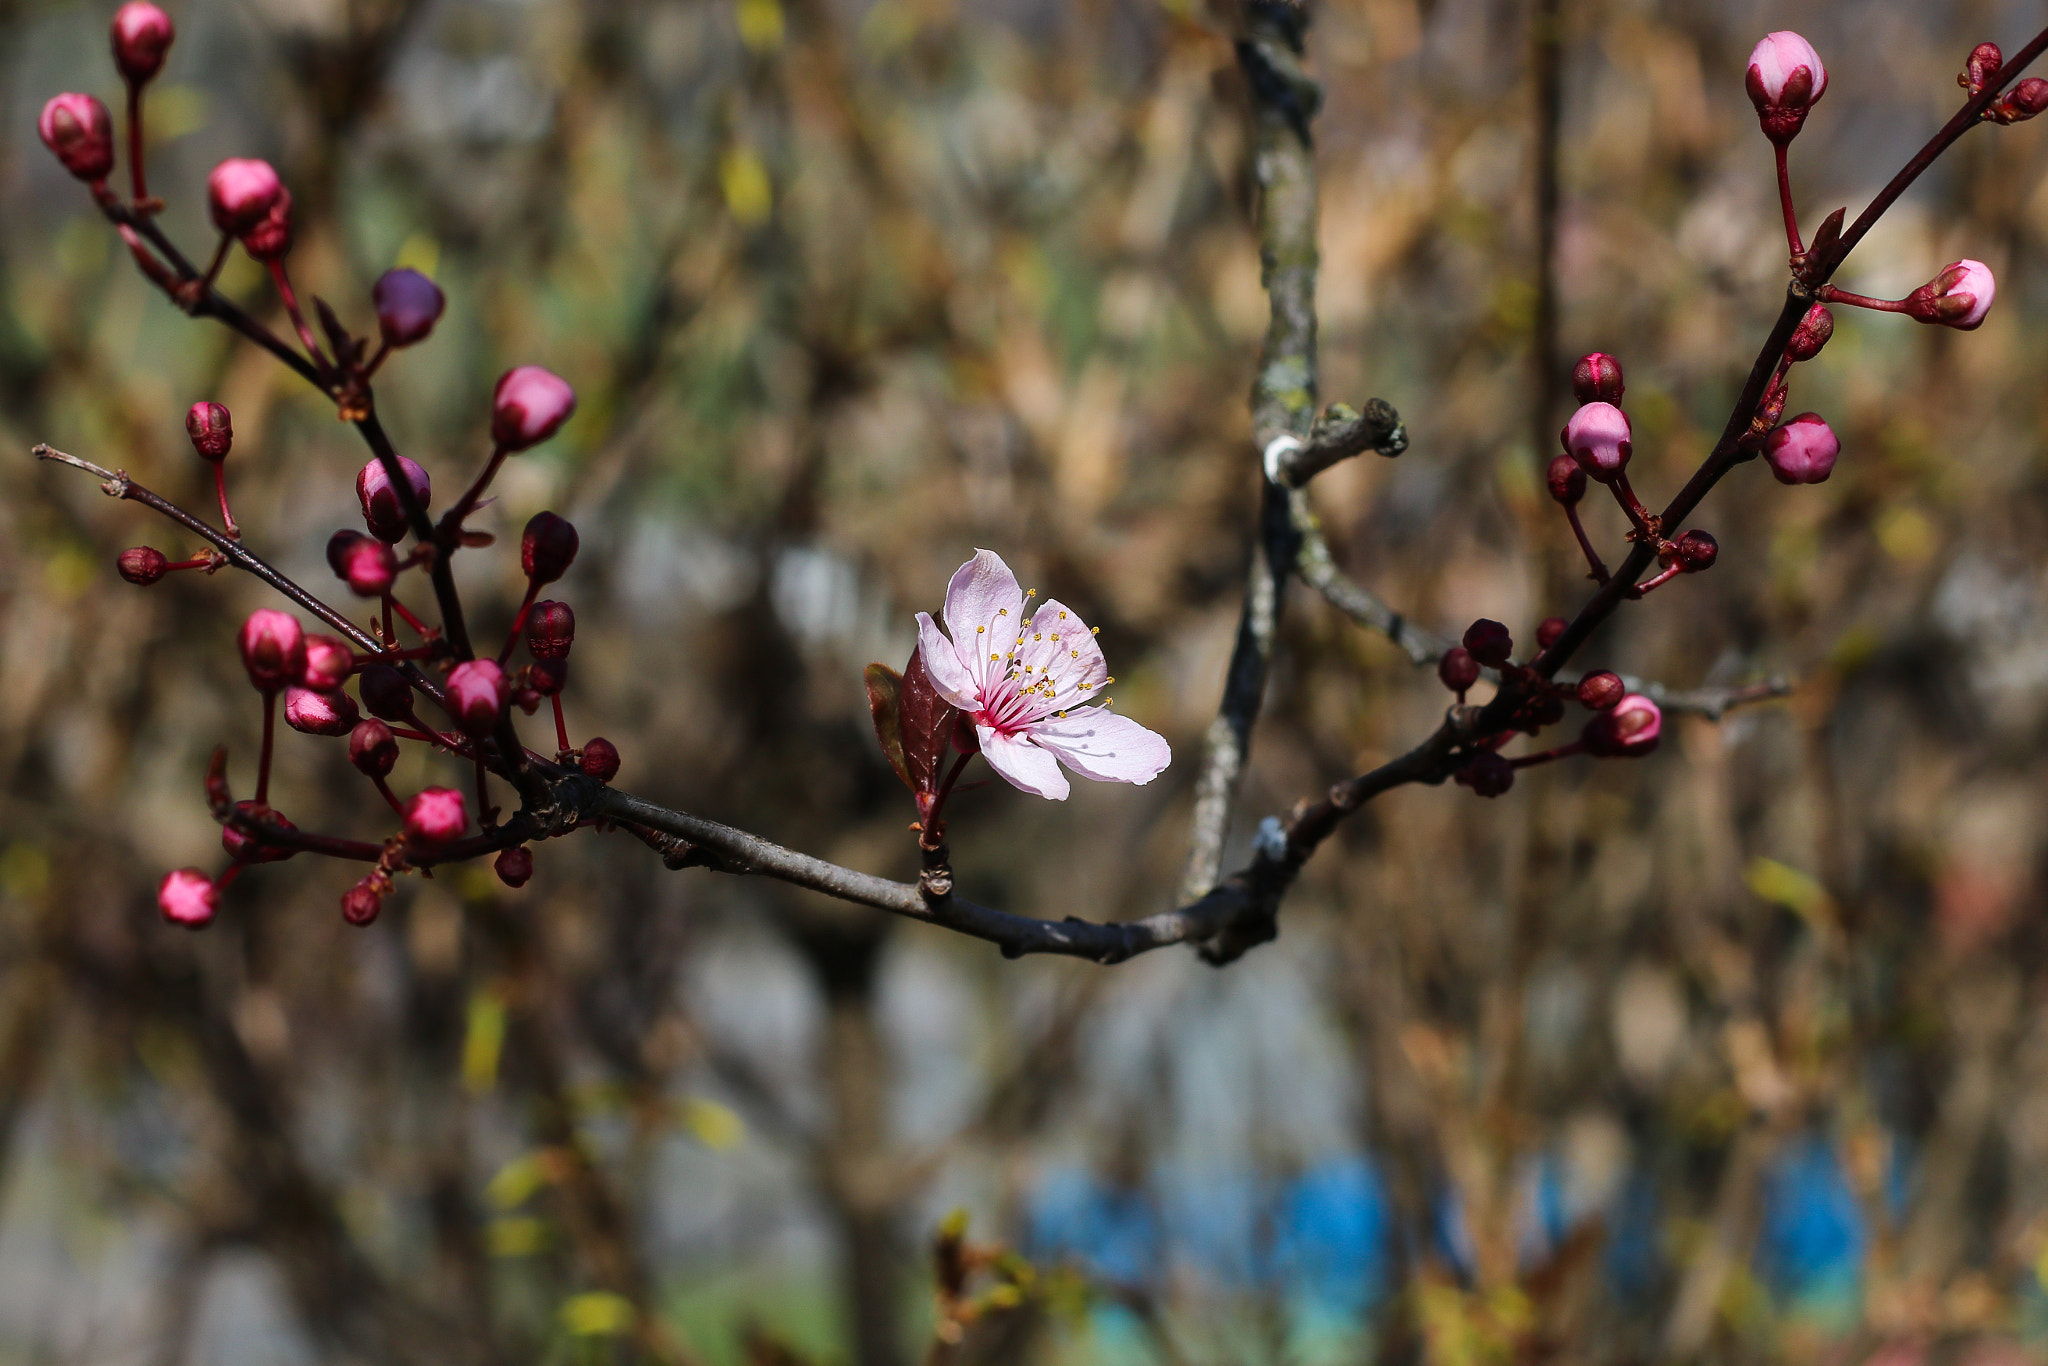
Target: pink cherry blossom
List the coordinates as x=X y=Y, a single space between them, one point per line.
x=382 y=512
x=1958 y=297
x=1598 y=438
x=477 y=692
x=1026 y=684
x=141 y=34
x=1628 y=729
x=436 y=816
x=187 y=897
x=312 y=711
x=1802 y=451
x=273 y=649
x=240 y=193
x=1774 y=68
x=530 y=405
x=80 y=131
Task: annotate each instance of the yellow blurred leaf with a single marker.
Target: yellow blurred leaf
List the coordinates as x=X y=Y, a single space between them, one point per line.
x=482 y=1043
x=517 y=1180
x=713 y=1125
x=597 y=1313
x=745 y=182
x=518 y=1236
x=760 y=24
x=1783 y=885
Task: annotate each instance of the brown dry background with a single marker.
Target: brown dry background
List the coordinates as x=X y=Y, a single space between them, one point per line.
x=847 y=290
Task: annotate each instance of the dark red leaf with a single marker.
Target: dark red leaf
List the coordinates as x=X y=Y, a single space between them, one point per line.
x=885 y=689
x=927 y=721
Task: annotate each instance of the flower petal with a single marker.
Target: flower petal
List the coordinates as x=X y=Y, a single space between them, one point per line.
x=1022 y=764
x=942 y=661
x=1059 y=659
x=984 y=613
x=1097 y=743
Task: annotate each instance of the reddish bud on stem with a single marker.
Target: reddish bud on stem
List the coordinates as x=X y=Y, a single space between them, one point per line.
x=600 y=760
x=530 y=405
x=1567 y=482
x=361 y=903
x=1548 y=630
x=382 y=512
x=80 y=131
x=548 y=676
x=1802 y=451
x=1598 y=437
x=372 y=748
x=142 y=565
x=1628 y=730
x=408 y=305
x=142 y=34
x=514 y=866
x=240 y=193
x=212 y=430
x=1489 y=642
x=1958 y=297
x=271 y=236
x=436 y=816
x=1487 y=774
x=1597 y=379
x=550 y=630
x=273 y=649
x=386 y=694
x=246 y=848
x=314 y=712
x=547 y=548
x=328 y=662
x=1811 y=334
x=1984 y=61
x=365 y=563
x=477 y=693
x=1458 y=669
x=1696 y=550
x=1785 y=79
x=187 y=897
x=1599 y=691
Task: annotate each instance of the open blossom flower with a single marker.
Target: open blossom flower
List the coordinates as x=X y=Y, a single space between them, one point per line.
x=1026 y=684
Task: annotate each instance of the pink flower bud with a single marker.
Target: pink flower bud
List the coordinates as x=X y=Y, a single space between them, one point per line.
x=385 y=692
x=1566 y=480
x=530 y=405
x=1487 y=774
x=1601 y=690
x=271 y=236
x=365 y=563
x=408 y=305
x=1812 y=333
x=372 y=748
x=1457 y=670
x=78 y=129
x=1597 y=378
x=240 y=192
x=273 y=649
x=187 y=897
x=1628 y=729
x=436 y=816
x=1802 y=451
x=1785 y=79
x=312 y=712
x=1696 y=550
x=547 y=548
x=142 y=34
x=328 y=662
x=1598 y=437
x=550 y=630
x=600 y=760
x=212 y=430
x=381 y=510
x=1959 y=297
x=243 y=848
x=548 y=676
x=142 y=565
x=361 y=903
x=1489 y=642
x=477 y=692
x=1548 y=630
x=514 y=866
x=1984 y=61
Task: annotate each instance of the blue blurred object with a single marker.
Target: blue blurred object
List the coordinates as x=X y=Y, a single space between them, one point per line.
x=1330 y=1236
x=1811 y=1250
x=1112 y=1232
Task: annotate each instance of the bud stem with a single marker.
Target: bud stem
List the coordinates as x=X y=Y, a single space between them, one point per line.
x=135 y=145
x=1831 y=294
x=1785 y=202
x=389 y=796
x=1647 y=584
x=1625 y=495
x=452 y=523
x=561 y=727
x=486 y=814
x=1593 y=561
x=220 y=258
x=291 y=306
x=392 y=603
x=1561 y=752
x=519 y=621
x=220 y=488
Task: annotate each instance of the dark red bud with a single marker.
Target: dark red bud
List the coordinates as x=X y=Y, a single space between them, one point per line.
x=1599 y=691
x=514 y=866
x=1984 y=61
x=550 y=630
x=365 y=563
x=142 y=34
x=1696 y=551
x=212 y=430
x=382 y=511
x=1597 y=378
x=2025 y=100
x=1548 y=630
x=1487 y=774
x=1811 y=334
x=78 y=129
x=245 y=848
x=361 y=903
x=548 y=676
x=141 y=564
x=600 y=760
x=408 y=305
x=386 y=694
x=1566 y=479
x=1458 y=669
x=1489 y=642
x=273 y=646
x=372 y=748
x=240 y=193
x=547 y=548
x=272 y=235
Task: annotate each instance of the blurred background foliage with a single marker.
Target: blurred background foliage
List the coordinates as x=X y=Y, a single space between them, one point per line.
x=1738 y=1053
